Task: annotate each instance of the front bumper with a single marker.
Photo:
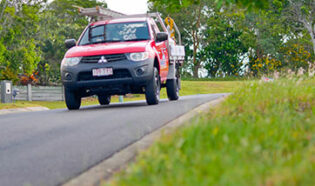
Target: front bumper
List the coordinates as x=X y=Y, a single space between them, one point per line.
x=128 y=77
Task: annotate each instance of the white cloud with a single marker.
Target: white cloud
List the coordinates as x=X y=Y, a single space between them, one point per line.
x=128 y=6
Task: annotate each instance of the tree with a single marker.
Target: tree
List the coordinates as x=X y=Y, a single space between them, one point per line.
x=191 y=20
x=225 y=51
x=58 y=22
x=245 y=3
x=19 y=54
x=276 y=36
x=33 y=33
x=266 y=37
x=225 y=47
x=302 y=12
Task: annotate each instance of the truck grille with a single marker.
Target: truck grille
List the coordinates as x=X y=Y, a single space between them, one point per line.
x=117 y=74
x=109 y=58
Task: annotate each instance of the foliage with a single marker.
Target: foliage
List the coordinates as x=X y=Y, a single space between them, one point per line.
x=301 y=16
x=225 y=50
x=7 y=73
x=264 y=65
x=245 y=3
x=190 y=20
x=26 y=79
x=208 y=32
x=261 y=135
x=224 y=37
x=172 y=6
x=227 y=37
x=33 y=33
x=175 y=5
x=296 y=57
x=18 y=50
x=60 y=21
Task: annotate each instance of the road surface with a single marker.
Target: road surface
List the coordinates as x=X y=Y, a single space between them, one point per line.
x=51 y=147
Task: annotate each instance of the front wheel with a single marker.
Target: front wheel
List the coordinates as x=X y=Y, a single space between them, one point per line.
x=104 y=99
x=73 y=99
x=152 y=91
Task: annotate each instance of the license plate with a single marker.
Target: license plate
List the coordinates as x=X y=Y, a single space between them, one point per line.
x=102 y=72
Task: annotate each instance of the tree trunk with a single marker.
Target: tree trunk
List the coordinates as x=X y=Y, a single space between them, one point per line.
x=3 y=9
x=313 y=38
x=195 y=64
x=313 y=44
x=1 y=15
x=196 y=44
x=195 y=71
x=311 y=31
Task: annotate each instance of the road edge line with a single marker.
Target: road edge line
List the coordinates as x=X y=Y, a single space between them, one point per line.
x=21 y=110
x=105 y=169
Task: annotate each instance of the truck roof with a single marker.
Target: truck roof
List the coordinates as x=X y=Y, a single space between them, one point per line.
x=120 y=20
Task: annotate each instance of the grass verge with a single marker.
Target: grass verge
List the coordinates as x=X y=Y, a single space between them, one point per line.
x=188 y=88
x=263 y=134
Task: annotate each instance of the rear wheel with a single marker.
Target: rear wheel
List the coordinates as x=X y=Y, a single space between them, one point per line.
x=104 y=99
x=152 y=91
x=73 y=99
x=172 y=88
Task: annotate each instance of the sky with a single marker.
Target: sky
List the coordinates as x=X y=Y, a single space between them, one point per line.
x=128 y=6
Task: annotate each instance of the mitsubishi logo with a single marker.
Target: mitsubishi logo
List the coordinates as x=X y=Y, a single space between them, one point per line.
x=102 y=60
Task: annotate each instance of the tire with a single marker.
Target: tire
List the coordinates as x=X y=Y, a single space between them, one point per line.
x=152 y=91
x=172 y=89
x=73 y=100
x=104 y=99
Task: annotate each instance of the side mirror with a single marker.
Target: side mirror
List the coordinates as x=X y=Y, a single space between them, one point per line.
x=161 y=36
x=70 y=43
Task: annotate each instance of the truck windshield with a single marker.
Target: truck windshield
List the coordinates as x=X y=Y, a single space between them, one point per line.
x=116 y=32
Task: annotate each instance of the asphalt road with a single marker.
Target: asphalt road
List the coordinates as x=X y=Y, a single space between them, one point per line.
x=51 y=147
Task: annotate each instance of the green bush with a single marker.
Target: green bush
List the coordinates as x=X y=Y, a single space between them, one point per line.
x=263 y=134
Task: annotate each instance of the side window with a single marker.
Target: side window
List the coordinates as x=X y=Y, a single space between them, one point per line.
x=154 y=32
x=157 y=25
x=156 y=28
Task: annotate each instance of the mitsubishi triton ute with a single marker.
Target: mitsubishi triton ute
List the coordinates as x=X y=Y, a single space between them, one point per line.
x=118 y=56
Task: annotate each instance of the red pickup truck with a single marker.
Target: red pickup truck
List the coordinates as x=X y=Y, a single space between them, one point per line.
x=119 y=56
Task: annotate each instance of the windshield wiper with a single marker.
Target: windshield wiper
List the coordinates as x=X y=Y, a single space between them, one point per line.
x=105 y=41
x=140 y=39
x=96 y=42
x=111 y=41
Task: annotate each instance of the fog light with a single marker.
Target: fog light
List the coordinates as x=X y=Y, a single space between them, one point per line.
x=68 y=76
x=140 y=71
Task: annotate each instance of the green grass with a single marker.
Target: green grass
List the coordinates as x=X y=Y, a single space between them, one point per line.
x=263 y=134
x=229 y=78
x=48 y=104
x=188 y=88
x=205 y=87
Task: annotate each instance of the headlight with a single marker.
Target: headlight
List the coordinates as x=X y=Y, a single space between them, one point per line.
x=72 y=61
x=139 y=56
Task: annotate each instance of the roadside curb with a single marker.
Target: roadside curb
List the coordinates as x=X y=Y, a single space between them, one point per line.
x=19 y=110
x=109 y=166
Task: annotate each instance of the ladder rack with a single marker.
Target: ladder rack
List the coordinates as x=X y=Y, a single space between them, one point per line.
x=99 y=13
